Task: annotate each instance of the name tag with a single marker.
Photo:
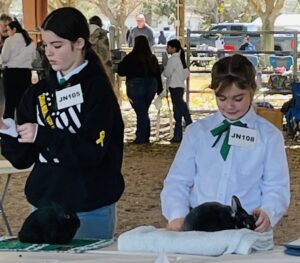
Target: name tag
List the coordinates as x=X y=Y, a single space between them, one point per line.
x=244 y=137
x=69 y=96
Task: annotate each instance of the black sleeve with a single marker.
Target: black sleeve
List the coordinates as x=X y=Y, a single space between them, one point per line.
x=22 y=155
x=123 y=66
x=243 y=47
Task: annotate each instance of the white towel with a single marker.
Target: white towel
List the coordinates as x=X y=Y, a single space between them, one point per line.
x=151 y=239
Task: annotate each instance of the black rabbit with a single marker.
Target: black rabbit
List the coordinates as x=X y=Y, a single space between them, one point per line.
x=213 y=216
x=49 y=224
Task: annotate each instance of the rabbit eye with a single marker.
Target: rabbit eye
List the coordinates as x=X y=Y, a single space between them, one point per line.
x=67 y=216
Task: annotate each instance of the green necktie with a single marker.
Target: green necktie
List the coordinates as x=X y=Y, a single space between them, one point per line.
x=219 y=131
x=62 y=81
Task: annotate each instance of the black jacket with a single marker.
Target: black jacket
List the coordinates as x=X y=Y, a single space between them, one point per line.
x=132 y=67
x=71 y=165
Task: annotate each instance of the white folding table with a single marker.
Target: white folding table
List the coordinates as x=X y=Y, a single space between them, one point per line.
x=6 y=169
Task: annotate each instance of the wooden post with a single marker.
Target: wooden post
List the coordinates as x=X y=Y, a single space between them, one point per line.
x=180 y=21
x=34 y=12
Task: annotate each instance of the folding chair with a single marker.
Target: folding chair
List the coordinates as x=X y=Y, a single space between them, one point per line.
x=253 y=59
x=283 y=76
x=292 y=114
x=281 y=61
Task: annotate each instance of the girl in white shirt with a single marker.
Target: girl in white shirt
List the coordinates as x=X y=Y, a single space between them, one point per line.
x=256 y=170
x=176 y=72
x=17 y=55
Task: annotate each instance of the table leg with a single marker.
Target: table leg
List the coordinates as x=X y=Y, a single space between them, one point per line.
x=5 y=188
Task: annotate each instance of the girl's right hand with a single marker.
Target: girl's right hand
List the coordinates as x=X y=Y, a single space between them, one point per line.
x=175 y=225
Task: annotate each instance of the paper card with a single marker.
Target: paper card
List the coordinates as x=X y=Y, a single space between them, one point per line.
x=69 y=97
x=243 y=137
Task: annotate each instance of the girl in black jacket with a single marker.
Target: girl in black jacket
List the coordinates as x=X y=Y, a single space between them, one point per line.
x=69 y=126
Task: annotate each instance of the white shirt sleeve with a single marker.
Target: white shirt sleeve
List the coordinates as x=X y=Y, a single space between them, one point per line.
x=175 y=195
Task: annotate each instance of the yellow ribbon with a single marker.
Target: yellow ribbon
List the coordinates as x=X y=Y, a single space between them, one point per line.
x=101 y=138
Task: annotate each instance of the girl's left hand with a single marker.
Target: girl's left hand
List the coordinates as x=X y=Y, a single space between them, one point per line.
x=262 y=223
x=27 y=132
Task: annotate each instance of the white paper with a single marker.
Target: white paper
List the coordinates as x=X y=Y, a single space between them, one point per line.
x=12 y=128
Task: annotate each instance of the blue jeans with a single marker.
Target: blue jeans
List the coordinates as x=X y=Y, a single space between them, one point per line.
x=180 y=109
x=141 y=92
x=97 y=224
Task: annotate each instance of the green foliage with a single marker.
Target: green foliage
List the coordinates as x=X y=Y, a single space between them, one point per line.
x=164 y=8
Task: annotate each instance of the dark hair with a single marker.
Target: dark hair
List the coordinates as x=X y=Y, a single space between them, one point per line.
x=16 y=25
x=142 y=51
x=5 y=17
x=175 y=43
x=69 y=23
x=96 y=20
x=141 y=45
x=236 y=69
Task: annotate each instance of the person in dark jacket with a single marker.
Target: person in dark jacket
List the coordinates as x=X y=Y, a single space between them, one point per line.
x=69 y=127
x=143 y=80
x=162 y=39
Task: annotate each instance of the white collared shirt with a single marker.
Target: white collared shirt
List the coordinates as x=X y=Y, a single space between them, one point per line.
x=72 y=72
x=174 y=72
x=15 y=53
x=259 y=177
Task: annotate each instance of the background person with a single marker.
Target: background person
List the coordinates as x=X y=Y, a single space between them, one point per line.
x=206 y=168
x=17 y=55
x=4 y=21
x=100 y=43
x=143 y=80
x=76 y=146
x=247 y=45
x=141 y=29
x=161 y=38
x=176 y=72
x=219 y=45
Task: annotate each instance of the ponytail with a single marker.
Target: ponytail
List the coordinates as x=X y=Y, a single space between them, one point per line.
x=16 y=25
x=182 y=57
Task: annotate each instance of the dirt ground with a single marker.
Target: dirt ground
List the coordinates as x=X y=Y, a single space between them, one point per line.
x=144 y=169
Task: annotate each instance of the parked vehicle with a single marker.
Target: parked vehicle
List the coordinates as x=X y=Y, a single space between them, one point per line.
x=238 y=31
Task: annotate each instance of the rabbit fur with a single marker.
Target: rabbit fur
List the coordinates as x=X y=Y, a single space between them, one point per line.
x=49 y=224
x=214 y=216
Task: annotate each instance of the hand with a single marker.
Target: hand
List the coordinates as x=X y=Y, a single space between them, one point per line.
x=175 y=225
x=27 y=132
x=262 y=223
x=2 y=125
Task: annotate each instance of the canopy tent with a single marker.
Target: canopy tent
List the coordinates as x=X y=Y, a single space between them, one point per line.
x=283 y=22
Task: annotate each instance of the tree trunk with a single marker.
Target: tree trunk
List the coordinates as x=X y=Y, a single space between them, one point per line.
x=268 y=39
x=268 y=11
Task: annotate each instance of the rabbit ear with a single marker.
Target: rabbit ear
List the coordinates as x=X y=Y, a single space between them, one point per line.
x=235 y=205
